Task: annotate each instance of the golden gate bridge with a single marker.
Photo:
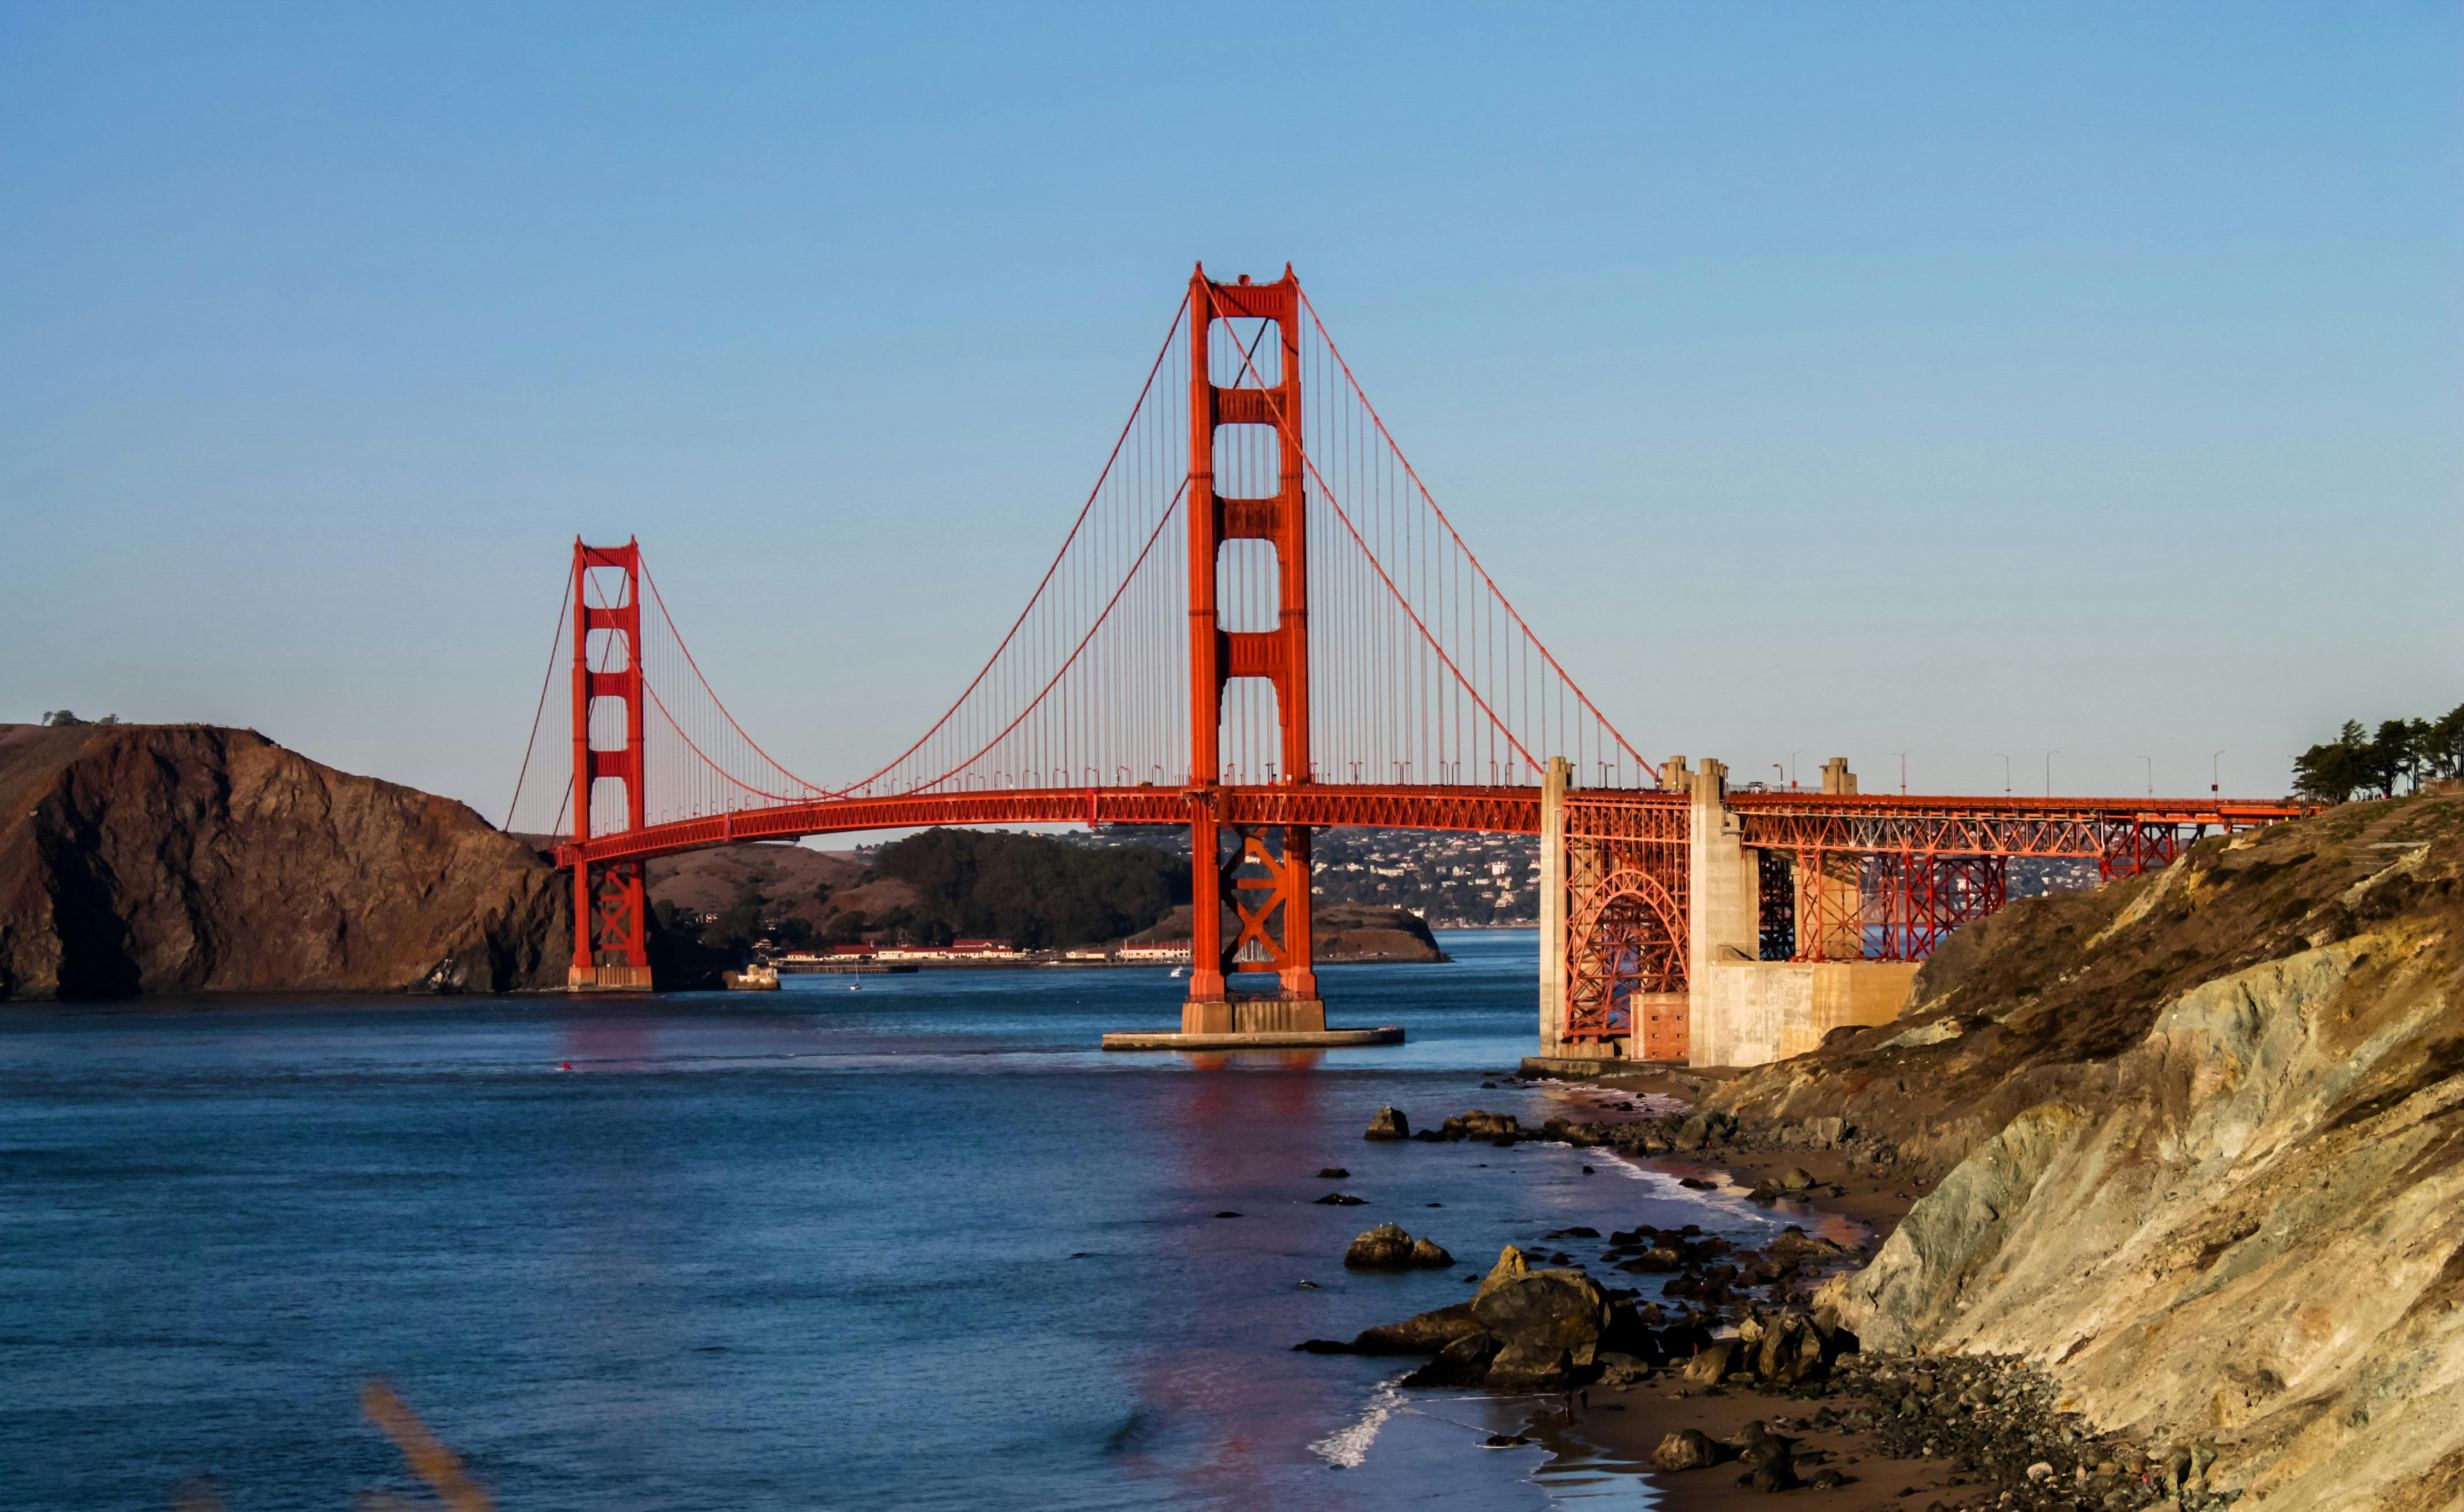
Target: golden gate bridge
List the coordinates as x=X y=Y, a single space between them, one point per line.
x=1260 y=624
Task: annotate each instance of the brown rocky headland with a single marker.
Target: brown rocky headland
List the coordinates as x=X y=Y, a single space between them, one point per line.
x=156 y=858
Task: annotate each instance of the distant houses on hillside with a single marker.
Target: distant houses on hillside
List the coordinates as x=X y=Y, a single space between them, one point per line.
x=984 y=952
x=990 y=952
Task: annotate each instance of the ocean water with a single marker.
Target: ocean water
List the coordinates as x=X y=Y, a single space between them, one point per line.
x=916 y=1245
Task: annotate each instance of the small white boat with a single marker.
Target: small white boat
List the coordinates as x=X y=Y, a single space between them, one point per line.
x=1181 y=970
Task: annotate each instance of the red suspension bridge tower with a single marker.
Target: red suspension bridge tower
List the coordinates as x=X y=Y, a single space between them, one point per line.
x=608 y=900
x=1266 y=876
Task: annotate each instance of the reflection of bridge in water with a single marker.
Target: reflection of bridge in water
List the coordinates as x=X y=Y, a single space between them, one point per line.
x=1261 y=625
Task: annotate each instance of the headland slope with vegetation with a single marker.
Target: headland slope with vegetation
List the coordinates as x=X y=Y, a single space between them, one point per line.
x=2191 y=1149
x=2161 y=1196
x=1037 y=892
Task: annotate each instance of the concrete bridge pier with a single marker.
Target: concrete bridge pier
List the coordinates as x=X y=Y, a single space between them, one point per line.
x=1735 y=1007
x=1553 y=909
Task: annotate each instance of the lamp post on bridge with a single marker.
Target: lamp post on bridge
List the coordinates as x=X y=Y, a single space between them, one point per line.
x=2006 y=774
x=2215 y=766
x=2049 y=772
x=1792 y=770
x=1904 y=773
x=2151 y=774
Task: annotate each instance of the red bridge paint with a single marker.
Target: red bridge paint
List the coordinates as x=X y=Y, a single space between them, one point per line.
x=1408 y=693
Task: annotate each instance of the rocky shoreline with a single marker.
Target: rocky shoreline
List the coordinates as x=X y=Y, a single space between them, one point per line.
x=2169 y=1184
x=1728 y=1369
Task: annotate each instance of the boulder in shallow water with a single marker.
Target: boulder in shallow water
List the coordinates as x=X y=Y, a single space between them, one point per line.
x=1530 y=1366
x=1542 y=1313
x=1389 y=1122
x=1428 y=1255
x=1383 y=1248
x=1510 y=1267
x=1341 y=1199
x=1421 y=1333
x=1465 y=1361
x=1481 y=1123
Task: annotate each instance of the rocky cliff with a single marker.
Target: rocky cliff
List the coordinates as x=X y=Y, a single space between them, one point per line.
x=2200 y=1148
x=188 y=858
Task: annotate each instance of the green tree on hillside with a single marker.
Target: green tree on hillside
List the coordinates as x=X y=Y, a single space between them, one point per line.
x=2403 y=755
x=1033 y=891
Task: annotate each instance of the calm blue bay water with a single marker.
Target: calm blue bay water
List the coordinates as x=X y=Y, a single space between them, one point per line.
x=912 y=1246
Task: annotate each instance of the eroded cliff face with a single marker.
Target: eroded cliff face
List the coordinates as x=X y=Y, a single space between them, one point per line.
x=2226 y=1199
x=190 y=859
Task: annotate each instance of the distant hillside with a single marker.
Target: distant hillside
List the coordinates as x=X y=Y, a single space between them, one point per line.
x=709 y=881
x=794 y=896
x=1029 y=889
x=1342 y=933
x=928 y=888
x=1036 y=891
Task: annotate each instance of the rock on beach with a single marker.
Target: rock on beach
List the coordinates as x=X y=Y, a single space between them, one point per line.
x=1687 y=1448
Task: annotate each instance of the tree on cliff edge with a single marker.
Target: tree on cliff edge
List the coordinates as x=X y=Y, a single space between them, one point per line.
x=2403 y=753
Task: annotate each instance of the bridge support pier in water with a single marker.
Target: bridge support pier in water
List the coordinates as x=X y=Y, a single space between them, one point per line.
x=1263 y=878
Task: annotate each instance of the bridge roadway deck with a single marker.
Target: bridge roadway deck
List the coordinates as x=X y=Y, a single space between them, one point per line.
x=2005 y=826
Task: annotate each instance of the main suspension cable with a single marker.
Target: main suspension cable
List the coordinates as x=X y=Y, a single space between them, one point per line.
x=556 y=643
x=1408 y=471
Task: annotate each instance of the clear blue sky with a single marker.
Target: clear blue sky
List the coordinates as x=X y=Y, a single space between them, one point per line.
x=1958 y=379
